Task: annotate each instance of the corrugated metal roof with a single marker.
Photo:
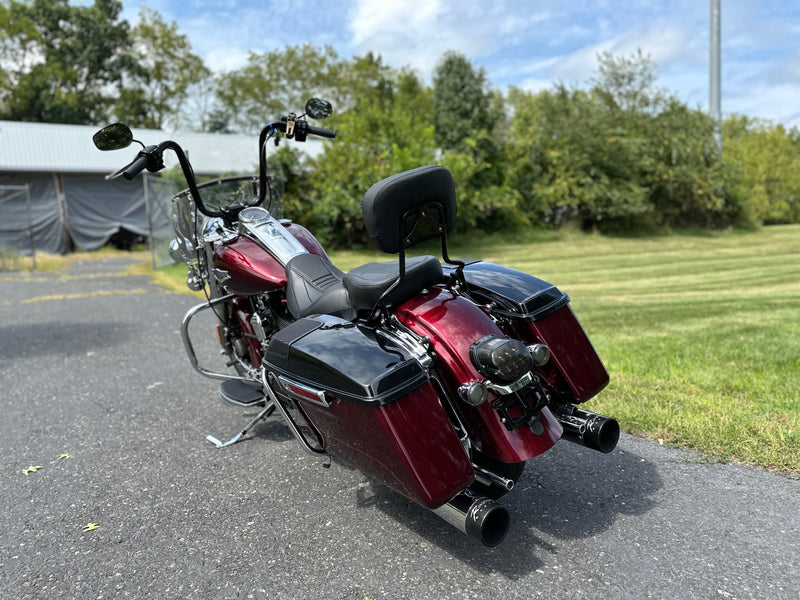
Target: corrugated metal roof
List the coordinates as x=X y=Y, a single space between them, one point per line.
x=53 y=148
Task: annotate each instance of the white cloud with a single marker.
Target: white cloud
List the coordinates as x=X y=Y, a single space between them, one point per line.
x=418 y=33
x=223 y=59
x=776 y=102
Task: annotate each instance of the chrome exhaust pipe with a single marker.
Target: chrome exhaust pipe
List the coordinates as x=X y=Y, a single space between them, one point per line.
x=588 y=429
x=477 y=516
x=488 y=478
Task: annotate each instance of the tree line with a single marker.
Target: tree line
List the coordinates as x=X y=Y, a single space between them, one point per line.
x=617 y=155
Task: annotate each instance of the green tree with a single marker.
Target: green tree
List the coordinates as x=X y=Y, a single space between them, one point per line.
x=384 y=129
x=63 y=63
x=468 y=119
x=275 y=83
x=625 y=84
x=621 y=156
x=571 y=163
x=683 y=170
x=762 y=162
x=461 y=101
x=153 y=97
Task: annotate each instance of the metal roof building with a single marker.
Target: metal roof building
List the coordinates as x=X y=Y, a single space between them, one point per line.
x=54 y=148
x=53 y=193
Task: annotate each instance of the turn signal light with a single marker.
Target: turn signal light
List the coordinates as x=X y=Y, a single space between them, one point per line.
x=539 y=353
x=474 y=393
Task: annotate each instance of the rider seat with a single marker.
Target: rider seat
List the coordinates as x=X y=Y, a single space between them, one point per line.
x=314 y=287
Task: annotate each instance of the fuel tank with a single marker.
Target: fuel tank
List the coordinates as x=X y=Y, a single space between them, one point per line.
x=251 y=269
x=453 y=324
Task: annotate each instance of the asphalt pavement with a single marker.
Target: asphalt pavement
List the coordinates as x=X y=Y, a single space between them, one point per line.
x=129 y=500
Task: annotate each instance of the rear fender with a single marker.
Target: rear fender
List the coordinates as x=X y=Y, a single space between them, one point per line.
x=453 y=324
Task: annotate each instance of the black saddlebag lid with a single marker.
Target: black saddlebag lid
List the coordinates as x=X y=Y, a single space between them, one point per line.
x=349 y=361
x=516 y=294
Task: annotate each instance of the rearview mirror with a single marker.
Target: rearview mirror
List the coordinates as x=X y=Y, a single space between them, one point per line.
x=113 y=137
x=317 y=108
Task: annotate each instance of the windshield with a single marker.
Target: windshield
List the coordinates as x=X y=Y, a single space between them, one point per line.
x=216 y=194
x=231 y=191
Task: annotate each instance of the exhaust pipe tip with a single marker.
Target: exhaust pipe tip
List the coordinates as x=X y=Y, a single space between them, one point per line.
x=602 y=434
x=488 y=522
x=478 y=516
x=594 y=431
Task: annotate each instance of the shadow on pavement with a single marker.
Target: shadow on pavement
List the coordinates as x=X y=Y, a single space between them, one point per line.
x=573 y=493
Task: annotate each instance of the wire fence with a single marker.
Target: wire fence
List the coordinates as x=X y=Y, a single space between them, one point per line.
x=15 y=206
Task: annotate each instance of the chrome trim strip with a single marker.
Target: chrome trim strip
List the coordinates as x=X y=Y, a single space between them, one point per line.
x=311 y=394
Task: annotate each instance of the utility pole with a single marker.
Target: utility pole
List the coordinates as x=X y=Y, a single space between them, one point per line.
x=714 y=95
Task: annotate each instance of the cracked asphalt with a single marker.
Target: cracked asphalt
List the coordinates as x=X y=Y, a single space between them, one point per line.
x=97 y=392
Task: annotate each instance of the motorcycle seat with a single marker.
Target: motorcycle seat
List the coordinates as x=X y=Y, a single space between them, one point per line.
x=314 y=286
x=366 y=284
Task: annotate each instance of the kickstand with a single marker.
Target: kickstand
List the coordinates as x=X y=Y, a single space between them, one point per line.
x=262 y=415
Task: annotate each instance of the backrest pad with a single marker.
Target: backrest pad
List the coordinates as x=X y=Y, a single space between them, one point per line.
x=387 y=201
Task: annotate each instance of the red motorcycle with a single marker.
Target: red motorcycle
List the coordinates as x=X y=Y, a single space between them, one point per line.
x=437 y=378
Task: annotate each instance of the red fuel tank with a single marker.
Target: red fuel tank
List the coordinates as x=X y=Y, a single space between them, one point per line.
x=252 y=269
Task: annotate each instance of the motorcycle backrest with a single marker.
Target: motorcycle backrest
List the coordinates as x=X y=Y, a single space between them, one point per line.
x=410 y=207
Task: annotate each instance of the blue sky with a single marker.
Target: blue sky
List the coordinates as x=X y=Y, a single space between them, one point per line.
x=531 y=44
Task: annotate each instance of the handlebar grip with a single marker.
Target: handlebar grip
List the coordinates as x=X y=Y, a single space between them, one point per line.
x=136 y=167
x=322 y=132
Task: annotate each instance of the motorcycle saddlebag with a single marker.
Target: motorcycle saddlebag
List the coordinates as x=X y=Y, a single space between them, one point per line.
x=541 y=311
x=373 y=405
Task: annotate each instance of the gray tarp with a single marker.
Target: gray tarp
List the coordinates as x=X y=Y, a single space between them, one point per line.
x=86 y=208
x=44 y=213
x=96 y=208
x=158 y=193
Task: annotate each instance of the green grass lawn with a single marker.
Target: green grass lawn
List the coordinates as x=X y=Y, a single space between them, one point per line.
x=700 y=333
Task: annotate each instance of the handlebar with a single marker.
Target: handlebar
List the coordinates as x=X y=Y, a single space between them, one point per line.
x=152 y=157
x=299 y=129
x=137 y=166
x=322 y=132
x=149 y=158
